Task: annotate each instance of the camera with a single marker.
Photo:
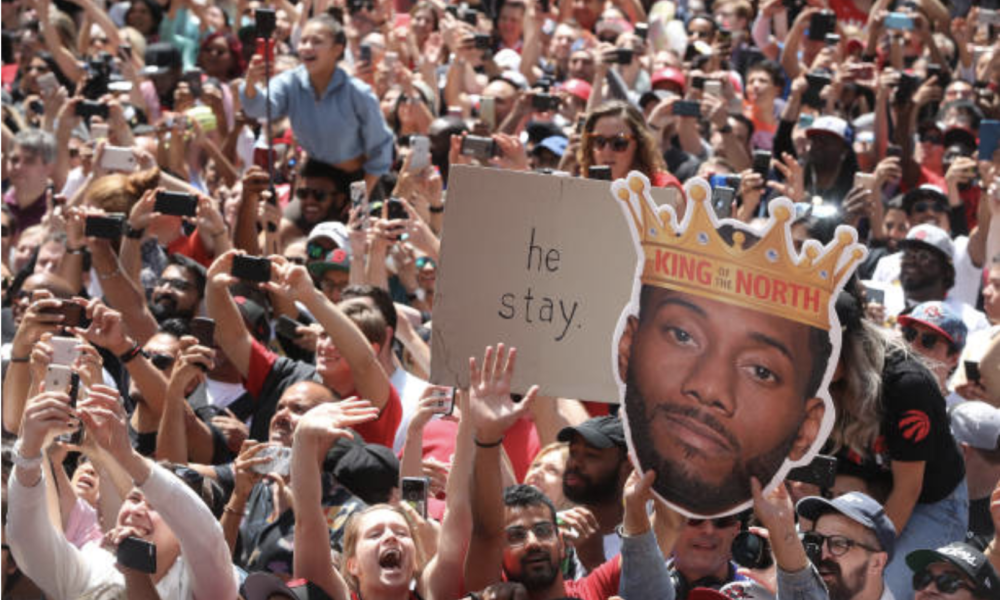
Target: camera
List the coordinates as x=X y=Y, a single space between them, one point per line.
x=751 y=551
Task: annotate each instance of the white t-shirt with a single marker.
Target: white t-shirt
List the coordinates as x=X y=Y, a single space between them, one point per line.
x=968 y=277
x=410 y=388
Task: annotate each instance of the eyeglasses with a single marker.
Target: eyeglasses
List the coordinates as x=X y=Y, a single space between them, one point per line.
x=946 y=583
x=303 y=193
x=543 y=532
x=619 y=143
x=162 y=361
x=924 y=206
x=928 y=340
x=837 y=545
x=172 y=282
x=424 y=261
x=719 y=523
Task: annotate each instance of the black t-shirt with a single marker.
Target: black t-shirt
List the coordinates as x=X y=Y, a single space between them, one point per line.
x=916 y=428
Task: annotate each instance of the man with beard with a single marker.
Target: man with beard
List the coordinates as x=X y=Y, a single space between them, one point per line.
x=928 y=204
x=927 y=273
x=595 y=475
x=849 y=544
x=179 y=289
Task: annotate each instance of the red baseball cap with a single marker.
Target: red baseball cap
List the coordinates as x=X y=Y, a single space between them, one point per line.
x=579 y=88
x=669 y=75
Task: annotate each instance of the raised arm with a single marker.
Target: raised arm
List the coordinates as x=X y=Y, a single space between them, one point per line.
x=370 y=379
x=182 y=436
x=315 y=434
x=230 y=331
x=456 y=528
x=492 y=412
x=206 y=556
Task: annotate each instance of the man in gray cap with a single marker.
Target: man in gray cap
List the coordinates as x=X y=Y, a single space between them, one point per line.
x=843 y=552
x=958 y=571
x=594 y=478
x=976 y=426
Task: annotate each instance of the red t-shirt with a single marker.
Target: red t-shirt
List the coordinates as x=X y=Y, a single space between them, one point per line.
x=191 y=247
x=521 y=443
x=600 y=584
x=664 y=179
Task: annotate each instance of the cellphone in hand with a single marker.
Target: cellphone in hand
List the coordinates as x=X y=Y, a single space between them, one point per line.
x=722 y=201
x=642 y=31
x=91 y=108
x=265 y=22
x=203 y=329
x=414 y=493
x=822 y=23
x=713 y=87
x=445 y=401
x=822 y=472
x=280 y=461
x=864 y=180
x=73 y=313
x=118 y=158
x=623 y=56
x=420 y=153
x=687 y=108
x=899 y=21
x=137 y=554
x=58 y=378
x=47 y=83
x=65 y=350
x=251 y=268
x=265 y=48
x=180 y=204
x=482 y=41
x=365 y=53
x=989 y=136
x=698 y=82
x=108 y=227
x=875 y=295
x=600 y=172
x=544 y=102
x=483 y=148
x=762 y=162
x=972 y=371
x=487 y=112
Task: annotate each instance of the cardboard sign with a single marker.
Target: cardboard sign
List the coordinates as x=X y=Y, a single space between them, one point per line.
x=726 y=349
x=538 y=262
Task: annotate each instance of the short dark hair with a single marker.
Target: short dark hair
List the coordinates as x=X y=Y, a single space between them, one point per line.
x=773 y=70
x=194 y=269
x=522 y=495
x=322 y=170
x=379 y=297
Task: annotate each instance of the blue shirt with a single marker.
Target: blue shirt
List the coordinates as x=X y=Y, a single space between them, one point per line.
x=345 y=123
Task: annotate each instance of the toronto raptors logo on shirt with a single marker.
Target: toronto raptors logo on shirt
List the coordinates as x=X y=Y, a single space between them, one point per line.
x=915 y=425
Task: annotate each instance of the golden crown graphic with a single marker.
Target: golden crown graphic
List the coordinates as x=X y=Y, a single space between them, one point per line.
x=764 y=275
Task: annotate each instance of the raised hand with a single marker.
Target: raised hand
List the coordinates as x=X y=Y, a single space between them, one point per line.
x=491 y=408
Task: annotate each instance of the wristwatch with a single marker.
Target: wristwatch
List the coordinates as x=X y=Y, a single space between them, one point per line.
x=133 y=233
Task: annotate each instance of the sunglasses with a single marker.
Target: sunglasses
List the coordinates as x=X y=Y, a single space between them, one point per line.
x=423 y=261
x=316 y=251
x=172 y=282
x=928 y=340
x=619 y=143
x=162 y=361
x=718 y=523
x=303 y=193
x=946 y=583
x=543 y=531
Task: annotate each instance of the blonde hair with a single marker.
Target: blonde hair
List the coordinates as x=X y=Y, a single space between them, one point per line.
x=352 y=532
x=118 y=192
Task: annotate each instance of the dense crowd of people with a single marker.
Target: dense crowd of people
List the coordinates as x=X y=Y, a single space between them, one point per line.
x=221 y=233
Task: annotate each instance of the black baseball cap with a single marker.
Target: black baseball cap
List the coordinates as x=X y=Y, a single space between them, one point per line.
x=599 y=432
x=967 y=558
x=369 y=471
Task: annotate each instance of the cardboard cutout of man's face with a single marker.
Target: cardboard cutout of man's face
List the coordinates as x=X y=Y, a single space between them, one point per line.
x=716 y=390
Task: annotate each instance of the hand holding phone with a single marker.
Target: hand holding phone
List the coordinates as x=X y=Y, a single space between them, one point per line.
x=414 y=493
x=251 y=268
x=178 y=204
x=137 y=554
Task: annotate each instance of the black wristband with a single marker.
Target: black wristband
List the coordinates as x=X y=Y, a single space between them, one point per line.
x=131 y=353
x=133 y=233
x=492 y=445
x=20 y=359
x=437 y=209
